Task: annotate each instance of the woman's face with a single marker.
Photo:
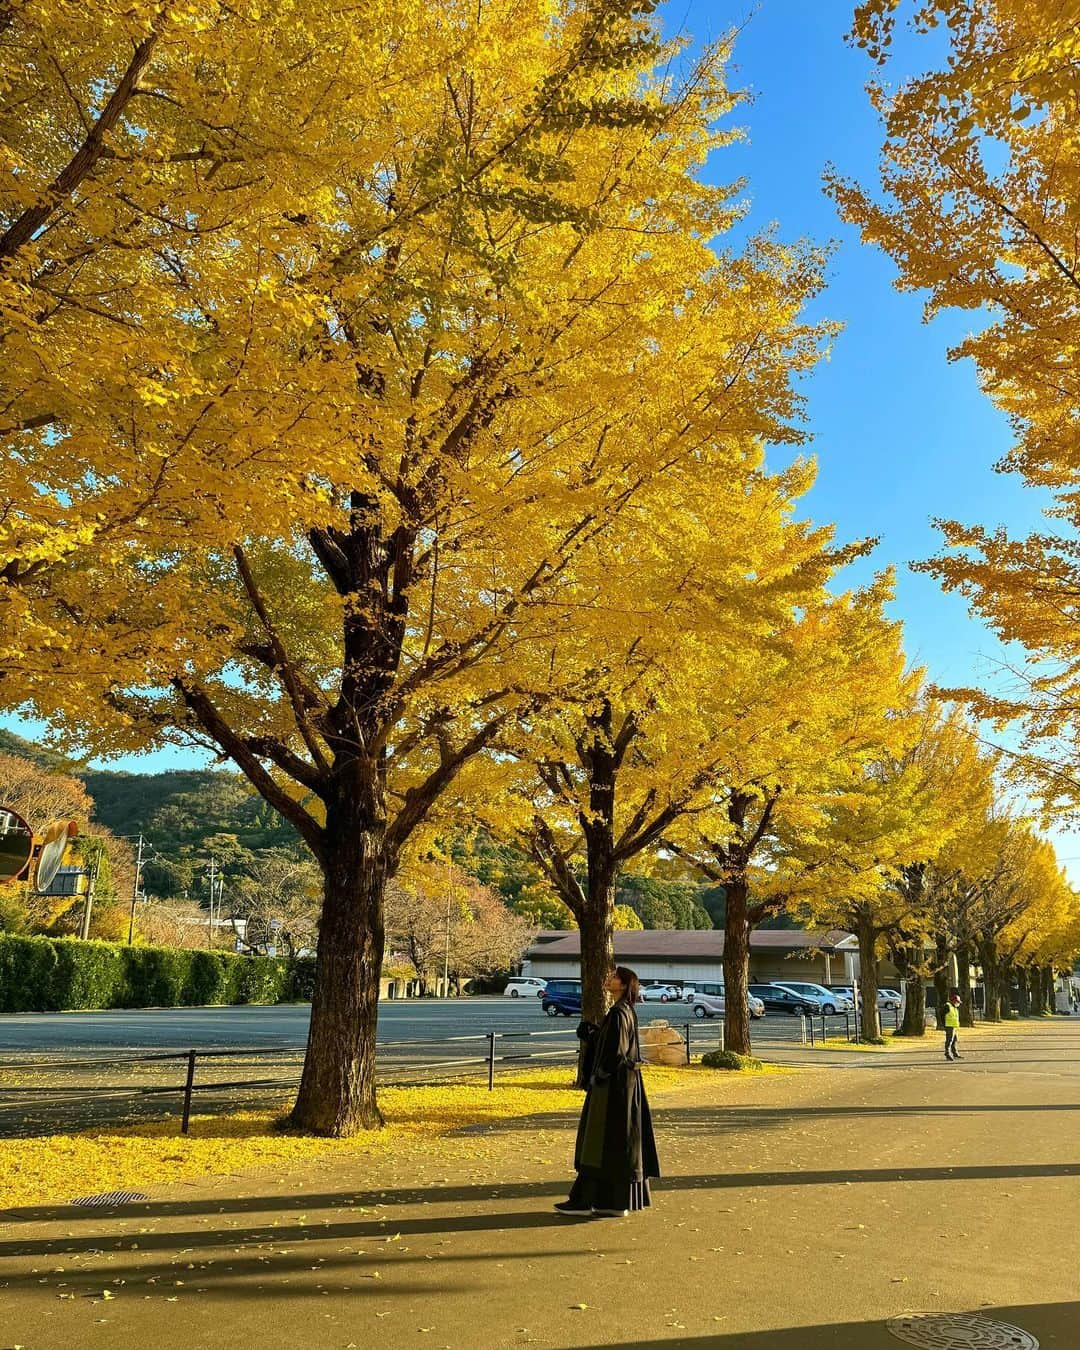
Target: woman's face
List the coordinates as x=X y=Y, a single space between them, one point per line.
x=614 y=986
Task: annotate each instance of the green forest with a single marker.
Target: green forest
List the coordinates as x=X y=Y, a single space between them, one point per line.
x=188 y=816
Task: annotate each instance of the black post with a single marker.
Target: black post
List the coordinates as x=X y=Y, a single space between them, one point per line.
x=688 y=1042
x=187 y=1091
x=810 y=1021
x=491 y=1061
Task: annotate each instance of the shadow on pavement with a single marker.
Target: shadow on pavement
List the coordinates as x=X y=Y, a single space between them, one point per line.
x=285 y=1266
x=1053 y=1324
x=376 y=1224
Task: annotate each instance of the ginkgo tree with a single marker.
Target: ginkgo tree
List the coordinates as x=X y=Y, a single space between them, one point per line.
x=603 y=778
x=900 y=808
x=981 y=176
x=459 y=315
x=794 y=724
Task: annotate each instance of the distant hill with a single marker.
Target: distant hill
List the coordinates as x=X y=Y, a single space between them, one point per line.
x=188 y=815
x=185 y=816
x=10 y=744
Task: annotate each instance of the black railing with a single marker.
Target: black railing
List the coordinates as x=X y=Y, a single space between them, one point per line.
x=191 y=1060
x=854 y=1030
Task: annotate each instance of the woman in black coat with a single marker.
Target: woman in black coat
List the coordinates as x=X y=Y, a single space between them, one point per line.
x=616 y=1152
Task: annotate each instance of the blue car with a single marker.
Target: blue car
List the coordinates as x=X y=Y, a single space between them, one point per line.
x=562 y=996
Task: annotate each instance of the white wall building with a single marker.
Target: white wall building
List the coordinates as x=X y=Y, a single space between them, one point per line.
x=684 y=956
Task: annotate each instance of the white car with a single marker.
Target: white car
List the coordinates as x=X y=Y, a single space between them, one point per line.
x=827 y=1000
x=522 y=986
x=666 y=993
x=886 y=998
x=708 y=1001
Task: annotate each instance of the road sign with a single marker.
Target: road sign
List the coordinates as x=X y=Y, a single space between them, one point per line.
x=16 y=845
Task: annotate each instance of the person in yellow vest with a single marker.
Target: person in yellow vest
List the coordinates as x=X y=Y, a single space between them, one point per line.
x=952 y=1024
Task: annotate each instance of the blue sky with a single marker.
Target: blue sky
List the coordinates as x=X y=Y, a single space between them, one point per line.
x=900 y=434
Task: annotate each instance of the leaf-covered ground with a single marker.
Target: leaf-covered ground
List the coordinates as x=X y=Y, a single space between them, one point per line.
x=51 y=1169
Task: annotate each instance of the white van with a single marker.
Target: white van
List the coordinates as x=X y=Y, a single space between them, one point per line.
x=708 y=1001
x=523 y=985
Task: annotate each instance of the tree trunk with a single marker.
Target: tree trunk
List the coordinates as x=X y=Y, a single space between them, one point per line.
x=736 y=959
x=988 y=959
x=596 y=919
x=1005 y=979
x=337 y=1089
x=1023 y=992
x=868 y=1010
x=1048 y=985
x=963 y=977
x=914 y=1020
x=1038 y=992
x=597 y=955
x=909 y=958
x=941 y=978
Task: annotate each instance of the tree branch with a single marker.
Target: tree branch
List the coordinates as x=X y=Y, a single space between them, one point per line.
x=88 y=154
x=237 y=748
x=301 y=695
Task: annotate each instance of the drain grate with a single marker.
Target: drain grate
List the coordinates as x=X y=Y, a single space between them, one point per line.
x=109 y=1198
x=959 y=1331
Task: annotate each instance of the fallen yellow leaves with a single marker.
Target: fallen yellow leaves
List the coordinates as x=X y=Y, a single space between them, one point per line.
x=52 y=1169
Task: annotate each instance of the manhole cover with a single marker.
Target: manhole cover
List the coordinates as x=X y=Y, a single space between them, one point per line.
x=109 y=1198
x=959 y=1331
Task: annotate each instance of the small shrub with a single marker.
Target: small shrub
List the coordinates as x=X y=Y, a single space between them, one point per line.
x=302 y=979
x=41 y=974
x=27 y=967
x=206 y=979
x=156 y=976
x=87 y=974
x=263 y=979
x=729 y=1059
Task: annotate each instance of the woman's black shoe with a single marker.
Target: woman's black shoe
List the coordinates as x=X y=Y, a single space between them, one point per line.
x=564 y=1207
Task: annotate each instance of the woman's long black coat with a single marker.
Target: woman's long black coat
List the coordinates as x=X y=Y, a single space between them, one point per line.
x=615 y=1135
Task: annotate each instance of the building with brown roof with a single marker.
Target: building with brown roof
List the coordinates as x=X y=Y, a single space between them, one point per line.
x=686 y=956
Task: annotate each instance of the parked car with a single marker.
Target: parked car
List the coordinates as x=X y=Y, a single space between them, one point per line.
x=825 y=1000
x=778 y=999
x=666 y=993
x=522 y=985
x=886 y=998
x=562 y=996
x=708 y=1001
x=688 y=991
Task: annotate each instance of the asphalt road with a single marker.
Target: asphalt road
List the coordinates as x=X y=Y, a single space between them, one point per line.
x=428 y=1021
x=77 y=1069
x=420 y=1021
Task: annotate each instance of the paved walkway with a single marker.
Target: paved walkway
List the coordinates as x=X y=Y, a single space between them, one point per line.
x=798 y=1213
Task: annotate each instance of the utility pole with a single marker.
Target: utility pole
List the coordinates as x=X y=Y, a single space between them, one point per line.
x=135 y=890
x=213 y=875
x=446 y=949
x=88 y=904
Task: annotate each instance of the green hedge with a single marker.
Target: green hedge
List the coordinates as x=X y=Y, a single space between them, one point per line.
x=39 y=974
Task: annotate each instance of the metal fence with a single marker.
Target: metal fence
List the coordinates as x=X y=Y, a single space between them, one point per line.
x=68 y=1086
x=69 y=1089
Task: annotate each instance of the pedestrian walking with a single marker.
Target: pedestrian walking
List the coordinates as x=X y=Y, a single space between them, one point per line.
x=615 y=1154
x=952 y=1025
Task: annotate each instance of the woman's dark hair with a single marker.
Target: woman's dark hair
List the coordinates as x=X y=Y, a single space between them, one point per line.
x=631 y=984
